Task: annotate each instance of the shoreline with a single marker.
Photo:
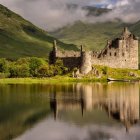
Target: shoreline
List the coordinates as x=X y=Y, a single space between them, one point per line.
x=62 y=79
x=53 y=80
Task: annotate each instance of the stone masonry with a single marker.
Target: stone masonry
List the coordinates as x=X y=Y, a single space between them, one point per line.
x=121 y=52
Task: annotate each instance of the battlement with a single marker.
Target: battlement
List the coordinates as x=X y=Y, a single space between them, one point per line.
x=122 y=52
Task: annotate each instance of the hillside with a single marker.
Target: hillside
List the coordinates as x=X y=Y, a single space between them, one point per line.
x=92 y=36
x=20 y=38
x=136 y=28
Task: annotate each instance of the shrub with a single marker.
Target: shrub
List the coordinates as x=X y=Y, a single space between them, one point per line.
x=44 y=71
x=4 y=65
x=105 y=69
x=34 y=64
x=59 y=68
x=4 y=75
x=19 y=70
x=22 y=61
x=31 y=66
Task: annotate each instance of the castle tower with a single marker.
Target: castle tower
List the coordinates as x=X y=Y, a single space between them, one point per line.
x=128 y=50
x=126 y=32
x=86 y=65
x=55 y=46
x=52 y=55
x=81 y=47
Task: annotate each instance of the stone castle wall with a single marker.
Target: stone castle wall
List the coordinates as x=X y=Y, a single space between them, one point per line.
x=71 y=59
x=71 y=62
x=124 y=56
x=65 y=54
x=121 y=52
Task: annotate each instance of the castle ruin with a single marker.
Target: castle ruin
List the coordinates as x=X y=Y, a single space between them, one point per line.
x=121 y=52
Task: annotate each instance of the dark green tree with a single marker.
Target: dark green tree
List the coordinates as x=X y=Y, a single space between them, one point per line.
x=34 y=64
x=45 y=71
x=4 y=65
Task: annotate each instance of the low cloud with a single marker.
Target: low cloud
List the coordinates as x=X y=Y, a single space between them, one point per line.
x=53 y=14
x=126 y=10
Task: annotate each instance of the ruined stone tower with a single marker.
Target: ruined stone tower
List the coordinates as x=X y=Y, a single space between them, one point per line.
x=86 y=64
x=121 y=52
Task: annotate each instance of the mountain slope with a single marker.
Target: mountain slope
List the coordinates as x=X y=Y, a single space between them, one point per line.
x=136 y=28
x=20 y=38
x=92 y=36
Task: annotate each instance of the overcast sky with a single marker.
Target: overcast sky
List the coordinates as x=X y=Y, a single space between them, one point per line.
x=53 y=14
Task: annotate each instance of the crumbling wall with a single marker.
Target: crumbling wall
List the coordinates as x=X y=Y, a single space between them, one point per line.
x=71 y=62
x=124 y=55
x=64 y=54
x=71 y=59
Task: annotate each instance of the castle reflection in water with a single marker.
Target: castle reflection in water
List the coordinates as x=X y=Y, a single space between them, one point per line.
x=120 y=102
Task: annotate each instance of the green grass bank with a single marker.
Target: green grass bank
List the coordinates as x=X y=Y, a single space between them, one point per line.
x=53 y=80
x=99 y=74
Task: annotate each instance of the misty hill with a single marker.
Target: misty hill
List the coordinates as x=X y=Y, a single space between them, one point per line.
x=20 y=38
x=136 y=28
x=92 y=36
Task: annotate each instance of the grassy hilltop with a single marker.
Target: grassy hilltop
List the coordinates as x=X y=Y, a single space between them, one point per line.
x=20 y=38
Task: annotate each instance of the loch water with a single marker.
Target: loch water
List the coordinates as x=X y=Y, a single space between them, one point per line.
x=71 y=111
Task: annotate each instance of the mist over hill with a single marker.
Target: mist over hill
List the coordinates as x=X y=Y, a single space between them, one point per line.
x=20 y=38
x=53 y=14
x=94 y=35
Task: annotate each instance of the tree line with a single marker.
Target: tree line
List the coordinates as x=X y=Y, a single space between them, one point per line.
x=30 y=67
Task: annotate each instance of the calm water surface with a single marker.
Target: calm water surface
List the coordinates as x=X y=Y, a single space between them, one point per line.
x=93 y=111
